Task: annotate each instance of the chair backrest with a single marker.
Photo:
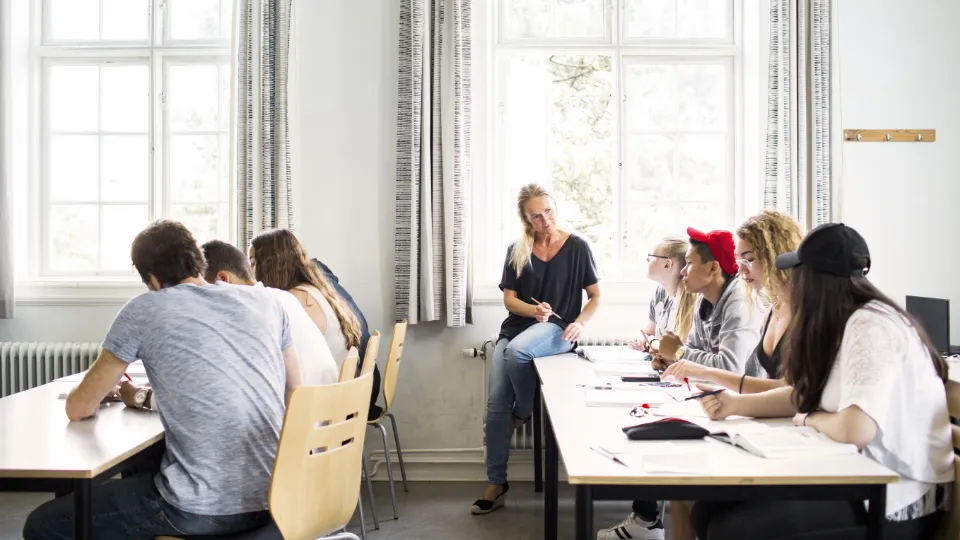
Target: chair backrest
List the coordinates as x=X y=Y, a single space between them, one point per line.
x=394 y=359
x=316 y=476
x=348 y=369
x=950 y=528
x=373 y=350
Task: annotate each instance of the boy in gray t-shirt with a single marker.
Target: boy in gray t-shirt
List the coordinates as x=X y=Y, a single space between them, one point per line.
x=220 y=360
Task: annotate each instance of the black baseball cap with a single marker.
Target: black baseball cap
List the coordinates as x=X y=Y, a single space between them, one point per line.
x=831 y=248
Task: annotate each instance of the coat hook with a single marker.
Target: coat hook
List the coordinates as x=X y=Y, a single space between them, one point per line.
x=889 y=137
x=859 y=136
x=919 y=136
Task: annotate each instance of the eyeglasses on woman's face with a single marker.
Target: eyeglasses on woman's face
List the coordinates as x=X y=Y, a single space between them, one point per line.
x=651 y=257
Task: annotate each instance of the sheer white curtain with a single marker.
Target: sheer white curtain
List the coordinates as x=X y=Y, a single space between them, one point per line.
x=6 y=188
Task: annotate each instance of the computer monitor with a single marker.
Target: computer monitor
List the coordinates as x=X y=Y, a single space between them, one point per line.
x=934 y=315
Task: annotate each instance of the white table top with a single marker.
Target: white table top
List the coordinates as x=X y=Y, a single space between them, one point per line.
x=697 y=462
x=38 y=441
x=954 y=370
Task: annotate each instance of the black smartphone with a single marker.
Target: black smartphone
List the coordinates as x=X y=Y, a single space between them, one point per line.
x=650 y=378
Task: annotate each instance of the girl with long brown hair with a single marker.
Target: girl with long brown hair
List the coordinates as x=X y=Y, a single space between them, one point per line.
x=279 y=261
x=861 y=371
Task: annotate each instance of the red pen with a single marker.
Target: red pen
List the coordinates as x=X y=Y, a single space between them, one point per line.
x=129 y=378
x=686 y=380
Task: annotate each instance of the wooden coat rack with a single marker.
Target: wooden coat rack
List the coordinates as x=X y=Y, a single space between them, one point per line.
x=890 y=135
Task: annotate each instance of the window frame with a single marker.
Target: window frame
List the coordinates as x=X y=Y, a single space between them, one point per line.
x=488 y=191
x=40 y=283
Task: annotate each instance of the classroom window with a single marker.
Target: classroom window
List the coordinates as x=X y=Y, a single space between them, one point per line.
x=132 y=124
x=624 y=109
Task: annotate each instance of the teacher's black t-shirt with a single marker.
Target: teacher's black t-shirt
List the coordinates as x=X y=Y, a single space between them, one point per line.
x=559 y=283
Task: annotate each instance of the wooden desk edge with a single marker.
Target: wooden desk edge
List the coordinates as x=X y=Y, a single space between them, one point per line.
x=705 y=480
x=80 y=474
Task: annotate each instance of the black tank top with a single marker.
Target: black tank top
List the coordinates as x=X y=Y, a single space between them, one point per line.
x=771 y=363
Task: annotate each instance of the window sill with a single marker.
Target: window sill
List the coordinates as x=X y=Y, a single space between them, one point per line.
x=64 y=292
x=616 y=293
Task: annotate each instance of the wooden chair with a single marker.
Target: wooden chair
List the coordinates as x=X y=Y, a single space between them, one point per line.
x=373 y=350
x=390 y=372
x=348 y=369
x=950 y=528
x=314 y=488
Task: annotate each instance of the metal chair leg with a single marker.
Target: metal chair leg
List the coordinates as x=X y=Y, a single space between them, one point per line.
x=363 y=525
x=373 y=503
x=396 y=439
x=386 y=453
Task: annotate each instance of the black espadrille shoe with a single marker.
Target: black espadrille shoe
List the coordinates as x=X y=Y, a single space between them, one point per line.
x=483 y=506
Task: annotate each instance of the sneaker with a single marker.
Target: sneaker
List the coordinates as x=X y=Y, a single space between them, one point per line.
x=483 y=506
x=633 y=527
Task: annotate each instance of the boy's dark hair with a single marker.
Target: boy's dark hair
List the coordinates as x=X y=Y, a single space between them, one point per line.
x=706 y=255
x=167 y=250
x=220 y=256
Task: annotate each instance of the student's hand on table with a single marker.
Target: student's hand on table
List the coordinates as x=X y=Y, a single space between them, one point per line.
x=659 y=363
x=718 y=406
x=544 y=311
x=128 y=392
x=573 y=331
x=685 y=369
x=668 y=345
x=641 y=345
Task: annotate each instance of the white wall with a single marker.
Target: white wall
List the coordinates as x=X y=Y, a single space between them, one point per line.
x=898 y=70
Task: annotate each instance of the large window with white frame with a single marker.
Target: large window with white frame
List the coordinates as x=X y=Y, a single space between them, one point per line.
x=131 y=123
x=625 y=109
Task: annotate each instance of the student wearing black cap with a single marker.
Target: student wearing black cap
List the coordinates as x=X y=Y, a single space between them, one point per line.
x=861 y=372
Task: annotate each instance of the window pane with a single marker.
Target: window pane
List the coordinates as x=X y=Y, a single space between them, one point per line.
x=73 y=98
x=194 y=168
x=702 y=96
x=126 y=166
x=225 y=113
x=73 y=165
x=648 y=224
x=194 y=19
x=557 y=130
x=194 y=97
x=686 y=97
x=226 y=18
x=651 y=97
x=668 y=168
x=73 y=238
x=74 y=20
x=682 y=19
x=126 y=20
x=526 y=19
x=204 y=221
x=125 y=99
x=121 y=223
x=702 y=167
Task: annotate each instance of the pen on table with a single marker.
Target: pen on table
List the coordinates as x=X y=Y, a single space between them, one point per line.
x=608 y=455
x=686 y=380
x=705 y=394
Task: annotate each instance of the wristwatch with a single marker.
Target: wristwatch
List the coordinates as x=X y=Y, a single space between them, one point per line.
x=679 y=354
x=140 y=398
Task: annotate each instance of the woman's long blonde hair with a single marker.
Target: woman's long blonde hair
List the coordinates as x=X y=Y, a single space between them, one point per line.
x=772 y=233
x=282 y=263
x=522 y=251
x=685 y=301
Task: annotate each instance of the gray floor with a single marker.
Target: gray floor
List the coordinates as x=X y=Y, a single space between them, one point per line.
x=436 y=510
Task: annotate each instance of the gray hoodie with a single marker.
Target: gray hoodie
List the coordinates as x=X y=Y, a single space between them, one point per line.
x=724 y=336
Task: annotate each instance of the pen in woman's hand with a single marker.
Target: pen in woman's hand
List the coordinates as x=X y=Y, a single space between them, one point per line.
x=552 y=313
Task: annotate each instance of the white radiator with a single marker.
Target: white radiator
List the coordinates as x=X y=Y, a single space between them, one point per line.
x=27 y=365
x=523 y=436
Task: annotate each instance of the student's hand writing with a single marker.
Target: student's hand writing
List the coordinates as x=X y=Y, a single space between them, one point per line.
x=660 y=363
x=573 y=331
x=640 y=344
x=544 y=312
x=685 y=369
x=128 y=392
x=718 y=406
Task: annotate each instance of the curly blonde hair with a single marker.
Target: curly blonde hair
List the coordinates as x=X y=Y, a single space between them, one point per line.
x=772 y=233
x=282 y=263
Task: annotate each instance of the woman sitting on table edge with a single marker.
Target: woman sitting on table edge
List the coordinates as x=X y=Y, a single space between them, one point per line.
x=544 y=276
x=862 y=372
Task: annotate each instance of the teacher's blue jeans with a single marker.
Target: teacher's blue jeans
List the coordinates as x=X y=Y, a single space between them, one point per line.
x=512 y=386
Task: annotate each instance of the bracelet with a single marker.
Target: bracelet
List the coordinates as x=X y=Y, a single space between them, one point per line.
x=740 y=391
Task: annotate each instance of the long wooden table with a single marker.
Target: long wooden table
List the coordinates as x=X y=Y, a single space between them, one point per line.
x=718 y=471
x=41 y=450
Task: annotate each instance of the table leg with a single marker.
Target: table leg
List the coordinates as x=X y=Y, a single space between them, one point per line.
x=584 y=513
x=551 y=488
x=877 y=512
x=537 y=442
x=81 y=510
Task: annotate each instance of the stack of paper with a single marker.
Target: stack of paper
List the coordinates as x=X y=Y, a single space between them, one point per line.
x=613 y=354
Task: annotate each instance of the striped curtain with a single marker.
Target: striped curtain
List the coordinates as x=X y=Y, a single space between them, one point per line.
x=6 y=179
x=264 y=191
x=798 y=170
x=431 y=244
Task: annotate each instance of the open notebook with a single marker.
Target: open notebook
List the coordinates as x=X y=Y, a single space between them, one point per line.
x=785 y=442
x=612 y=354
